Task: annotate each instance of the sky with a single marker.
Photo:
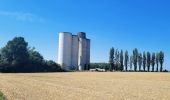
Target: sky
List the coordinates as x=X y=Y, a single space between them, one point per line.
x=122 y=24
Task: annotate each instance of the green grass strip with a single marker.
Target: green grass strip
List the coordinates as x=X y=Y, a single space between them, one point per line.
x=2 y=97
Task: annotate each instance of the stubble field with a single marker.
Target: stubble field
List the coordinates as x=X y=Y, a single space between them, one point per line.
x=86 y=86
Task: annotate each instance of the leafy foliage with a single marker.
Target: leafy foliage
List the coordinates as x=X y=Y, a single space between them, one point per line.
x=136 y=60
x=105 y=66
x=153 y=61
x=121 y=60
x=17 y=57
x=2 y=97
x=148 y=60
x=126 y=59
x=161 y=60
x=140 y=61
x=157 y=61
x=144 y=61
x=111 y=59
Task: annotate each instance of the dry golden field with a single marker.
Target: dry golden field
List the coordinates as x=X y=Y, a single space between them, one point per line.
x=86 y=86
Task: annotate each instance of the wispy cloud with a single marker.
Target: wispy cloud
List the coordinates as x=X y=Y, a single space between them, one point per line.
x=21 y=16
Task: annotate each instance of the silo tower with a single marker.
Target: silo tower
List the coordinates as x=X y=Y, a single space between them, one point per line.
x=74 y=51
x=64 y=51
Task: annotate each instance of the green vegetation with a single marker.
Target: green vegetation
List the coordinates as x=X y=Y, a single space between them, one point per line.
x=153 y=61
x=2 y=97
x=148 y=60
x=16 y=56
x=111 y=59
x=137 y=62
x=140 y=61
x=144 y=61
x=118 y=62
x=161 y=60
x=126 y=60
x=105 y=66
x=135 y=58
x=121 y=60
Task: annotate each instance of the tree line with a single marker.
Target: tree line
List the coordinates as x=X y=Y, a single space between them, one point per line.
x=145 y=61
x=16 y=56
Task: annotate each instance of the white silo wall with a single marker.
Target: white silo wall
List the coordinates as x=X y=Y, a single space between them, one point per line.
x=82 y=54
x=74 y=57
x=87 y=51
x=64 y=52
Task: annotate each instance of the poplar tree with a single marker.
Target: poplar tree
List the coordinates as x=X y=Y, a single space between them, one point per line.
x=140 y=61
x=135 y=58
x=161 y=60
x=111 y=59
x=121 y=60
x=126 y=60
x=148 y=60
x=144 y=61
x=153 y=61
x=157 y=61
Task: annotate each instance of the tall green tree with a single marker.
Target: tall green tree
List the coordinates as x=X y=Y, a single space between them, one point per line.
x=140 y=61
x=121 y=60
x=131 y=62
x=153 y=61
x=161 y=60
x=157 y=61
x=111 y=59
x=17 y=57
x=135 y=58
x=144 y=61
x=126 y=60
x=15 y=52
x=148 y=60
x=117 y=60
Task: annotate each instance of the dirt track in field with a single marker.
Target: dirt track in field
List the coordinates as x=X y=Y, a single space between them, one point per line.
x=86 y=86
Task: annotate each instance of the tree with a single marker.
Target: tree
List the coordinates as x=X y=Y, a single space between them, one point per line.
x=144 y=61
x=121 y=60
x=153 y=61
x=126 y=59
x=111 y=59
x=131 y=62
x=157 y=61
x=52 y=66
x=117 y=56
x=135 y=58
x=148 y=60
x=36 y=61
x=17 y=57
x=140 y=61
x=35 y=56
x=161 y=60
x=15 y=52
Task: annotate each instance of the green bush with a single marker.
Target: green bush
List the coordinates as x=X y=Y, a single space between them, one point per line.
x=2 y=96
x=17 y=57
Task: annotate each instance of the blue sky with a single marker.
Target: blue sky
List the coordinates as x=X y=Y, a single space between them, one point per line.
x=123 y=24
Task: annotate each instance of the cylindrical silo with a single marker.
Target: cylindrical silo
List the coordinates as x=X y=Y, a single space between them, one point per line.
x=82 y=51
x=74 y=59
x=87 y=54
x=65 y=47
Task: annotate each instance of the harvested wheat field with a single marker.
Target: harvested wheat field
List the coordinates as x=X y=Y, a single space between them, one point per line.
x=86 y=86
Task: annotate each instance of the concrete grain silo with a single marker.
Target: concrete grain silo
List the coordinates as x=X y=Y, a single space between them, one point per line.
x=65 y=48
x=87 y=53
x=82 y=51
x=75 y=45
x=74 y=51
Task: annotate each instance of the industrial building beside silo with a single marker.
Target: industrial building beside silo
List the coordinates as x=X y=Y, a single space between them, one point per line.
x=74 y=51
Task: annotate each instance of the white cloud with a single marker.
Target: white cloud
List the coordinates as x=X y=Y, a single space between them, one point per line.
x=20 y=16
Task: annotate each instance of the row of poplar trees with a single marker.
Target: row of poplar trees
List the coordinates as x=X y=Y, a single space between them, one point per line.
x=120 y=61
